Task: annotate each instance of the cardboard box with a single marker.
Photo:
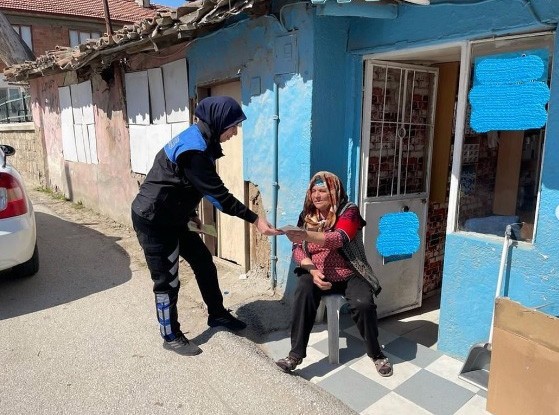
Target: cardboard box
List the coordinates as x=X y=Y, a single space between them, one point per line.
x=524 y=372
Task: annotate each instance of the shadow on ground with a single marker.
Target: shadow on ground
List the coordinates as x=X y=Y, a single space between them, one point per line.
x=75 y=262
x=262 y=318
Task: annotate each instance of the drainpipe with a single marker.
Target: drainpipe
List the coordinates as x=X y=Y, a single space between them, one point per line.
x=275 y=186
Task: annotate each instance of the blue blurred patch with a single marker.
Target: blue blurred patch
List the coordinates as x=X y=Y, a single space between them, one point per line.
x=398 y=234
x=502 y=69
x=510 y=91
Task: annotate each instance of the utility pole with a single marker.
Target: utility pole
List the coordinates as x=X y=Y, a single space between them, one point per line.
x=109 y=26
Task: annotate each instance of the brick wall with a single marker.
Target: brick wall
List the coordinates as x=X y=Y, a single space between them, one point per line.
x=47 y=37
x=28 y=159
x=434 y=246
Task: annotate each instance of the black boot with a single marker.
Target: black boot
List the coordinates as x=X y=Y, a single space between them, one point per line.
x=227 y=320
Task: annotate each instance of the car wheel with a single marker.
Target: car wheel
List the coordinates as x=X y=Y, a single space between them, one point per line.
x=29 y=268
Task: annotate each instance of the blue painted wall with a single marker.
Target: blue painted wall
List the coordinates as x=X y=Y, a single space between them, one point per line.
x=532 y=273
x=472 y=262
x=442 y=23
x=329 y=144
x=245 y=51
x=320 y=128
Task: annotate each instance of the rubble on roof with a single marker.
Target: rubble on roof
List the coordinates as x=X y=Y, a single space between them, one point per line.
x=184 y=23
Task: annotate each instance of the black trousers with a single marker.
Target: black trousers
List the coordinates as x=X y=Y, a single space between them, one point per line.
x=363 y=309
x=162 y=250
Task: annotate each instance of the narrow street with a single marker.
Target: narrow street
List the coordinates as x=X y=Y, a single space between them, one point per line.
x=81 y=337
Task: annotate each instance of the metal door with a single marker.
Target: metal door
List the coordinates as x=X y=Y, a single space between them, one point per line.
x=398 y=115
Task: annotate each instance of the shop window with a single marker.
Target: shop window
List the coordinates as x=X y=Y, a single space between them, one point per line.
x=501 y=167
x=78 y=37
x=25 y=33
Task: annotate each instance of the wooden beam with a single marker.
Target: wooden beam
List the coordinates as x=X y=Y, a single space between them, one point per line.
x=444 y=119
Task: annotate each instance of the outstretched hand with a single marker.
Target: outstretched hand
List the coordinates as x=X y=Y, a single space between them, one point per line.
x=266 y=228
x=296 y=236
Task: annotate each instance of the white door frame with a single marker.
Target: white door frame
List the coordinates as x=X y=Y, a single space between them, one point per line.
x=409 y=54
x=406 y=271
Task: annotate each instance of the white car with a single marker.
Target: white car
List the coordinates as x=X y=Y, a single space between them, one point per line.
x=18 y=232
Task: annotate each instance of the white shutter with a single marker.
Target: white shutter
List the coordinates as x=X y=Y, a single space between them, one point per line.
x=137 y=97
x=86 y=102
x=138 y=149
x=157 y=136
x=67 y=124
x=156 y=96
x=175 y=82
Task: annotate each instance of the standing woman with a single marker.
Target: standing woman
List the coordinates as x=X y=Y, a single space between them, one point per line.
x=182 y=173
x=331 y=259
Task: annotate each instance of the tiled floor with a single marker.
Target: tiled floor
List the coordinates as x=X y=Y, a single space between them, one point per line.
x=424 y=382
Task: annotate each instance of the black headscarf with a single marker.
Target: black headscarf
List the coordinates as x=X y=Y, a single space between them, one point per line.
x=217 y=114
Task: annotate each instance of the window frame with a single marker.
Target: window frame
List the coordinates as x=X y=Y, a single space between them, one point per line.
x=466 y=67
x=18 y=29
x=86 y=36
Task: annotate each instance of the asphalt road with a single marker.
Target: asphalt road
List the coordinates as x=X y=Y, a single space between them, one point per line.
x=81 y=337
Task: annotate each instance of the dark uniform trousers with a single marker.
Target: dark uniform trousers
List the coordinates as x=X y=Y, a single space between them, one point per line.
x=162 y=248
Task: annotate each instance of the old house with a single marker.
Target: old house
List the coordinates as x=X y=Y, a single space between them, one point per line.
x=45 y=25
x=440 y=117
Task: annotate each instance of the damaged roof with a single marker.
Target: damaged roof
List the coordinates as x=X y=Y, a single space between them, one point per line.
x=123 y=11
x=167 y=27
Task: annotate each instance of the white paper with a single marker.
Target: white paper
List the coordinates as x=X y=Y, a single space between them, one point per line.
x=291 y=228
x=205 y=229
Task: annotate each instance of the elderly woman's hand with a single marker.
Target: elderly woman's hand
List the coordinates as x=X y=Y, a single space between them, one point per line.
x=318 y=280
x=296 y=236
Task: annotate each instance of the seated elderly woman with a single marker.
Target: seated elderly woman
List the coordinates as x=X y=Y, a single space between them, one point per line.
x=331 y=259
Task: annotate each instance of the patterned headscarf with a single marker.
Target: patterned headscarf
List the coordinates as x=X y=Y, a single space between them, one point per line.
x=338 y=198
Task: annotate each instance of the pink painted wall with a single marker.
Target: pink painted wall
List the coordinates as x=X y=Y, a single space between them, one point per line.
x=46 y=116
x=110 y=186
x=107 y=187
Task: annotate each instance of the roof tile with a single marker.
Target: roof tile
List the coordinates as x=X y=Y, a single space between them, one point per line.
x=120 y=10
x=185 y=23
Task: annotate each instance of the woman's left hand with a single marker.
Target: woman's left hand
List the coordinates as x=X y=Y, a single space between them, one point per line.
x=296 y=236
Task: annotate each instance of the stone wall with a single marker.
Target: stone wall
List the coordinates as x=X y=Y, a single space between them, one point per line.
x=29 y=156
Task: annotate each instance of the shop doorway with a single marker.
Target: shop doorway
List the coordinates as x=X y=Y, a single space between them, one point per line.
x=407 y=131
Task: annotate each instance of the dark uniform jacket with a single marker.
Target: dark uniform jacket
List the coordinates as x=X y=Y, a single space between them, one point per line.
x=183 y=172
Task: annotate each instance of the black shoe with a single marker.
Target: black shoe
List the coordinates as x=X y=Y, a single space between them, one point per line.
x=182 y=346
x=289 y=363
x=227 y=320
